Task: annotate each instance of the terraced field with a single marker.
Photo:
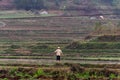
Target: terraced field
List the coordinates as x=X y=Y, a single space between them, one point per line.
x=45 y=28
x=66 y=28
x=48 y=33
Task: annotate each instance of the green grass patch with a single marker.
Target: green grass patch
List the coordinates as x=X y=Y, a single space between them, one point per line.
x=20 y=14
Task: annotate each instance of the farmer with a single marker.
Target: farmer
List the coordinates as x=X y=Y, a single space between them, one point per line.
x=58 y=53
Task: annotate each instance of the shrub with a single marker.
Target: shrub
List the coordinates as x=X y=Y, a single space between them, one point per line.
x=14 y=46
x=5 y=79
x=13 y=71
x=84 y=75
x=104 y=72
x=77 y=68
x=39 y=73
x=111 y=76
x=72 y=77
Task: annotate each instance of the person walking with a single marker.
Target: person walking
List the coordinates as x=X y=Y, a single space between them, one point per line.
x=58 y=53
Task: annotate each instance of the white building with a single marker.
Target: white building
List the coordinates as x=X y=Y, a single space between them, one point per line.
x=43 y=12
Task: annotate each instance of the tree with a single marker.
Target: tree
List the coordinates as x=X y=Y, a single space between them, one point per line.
x=29 y=4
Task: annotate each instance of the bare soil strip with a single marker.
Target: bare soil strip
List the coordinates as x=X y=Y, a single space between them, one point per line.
x=51 y=62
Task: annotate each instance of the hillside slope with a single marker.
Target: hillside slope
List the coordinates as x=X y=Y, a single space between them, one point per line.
x=78 y=7
x=52 y=28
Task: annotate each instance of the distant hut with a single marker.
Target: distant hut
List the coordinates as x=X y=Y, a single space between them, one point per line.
x=44 y=12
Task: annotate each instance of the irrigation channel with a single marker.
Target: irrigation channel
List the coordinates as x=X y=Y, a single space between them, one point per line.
x=51 y=61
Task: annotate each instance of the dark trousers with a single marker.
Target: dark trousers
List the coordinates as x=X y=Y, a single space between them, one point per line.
x=58 y=58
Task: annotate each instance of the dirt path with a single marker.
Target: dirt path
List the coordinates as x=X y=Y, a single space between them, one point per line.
x=50 y=62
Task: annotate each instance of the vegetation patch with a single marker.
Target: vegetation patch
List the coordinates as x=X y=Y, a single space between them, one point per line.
x=63 y=72
x=94 y=45
x=107 y=38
